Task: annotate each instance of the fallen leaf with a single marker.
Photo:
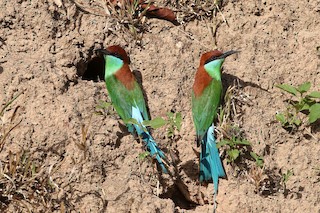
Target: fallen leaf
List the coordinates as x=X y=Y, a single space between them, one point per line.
x=151 y=10
x=160 y=13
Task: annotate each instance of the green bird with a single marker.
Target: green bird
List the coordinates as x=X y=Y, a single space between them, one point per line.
x=127 y=97
x=206 y=95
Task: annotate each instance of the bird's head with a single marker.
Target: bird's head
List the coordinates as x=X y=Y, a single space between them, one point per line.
x=215 y=56
x=116 y=51
x=213 y=60
x=209 y=68
x=116 y=58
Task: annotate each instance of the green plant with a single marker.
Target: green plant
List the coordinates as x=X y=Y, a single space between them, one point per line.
x=173 y=122
x=237 y=147
x=231 y=136
x=25 y=183
x=234 y=147
x=285 y=178
x=7 y=127
x=143 y=155
x=302 y=102
x=6 y=105
x=24 y=179
x=259 y=160
x=104 y=108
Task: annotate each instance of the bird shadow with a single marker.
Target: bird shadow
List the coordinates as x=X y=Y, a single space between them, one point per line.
x=1 y=69
x=229 y=80
x=179 y=192
x=315 y=127
x=120 y=134
x=124 y=132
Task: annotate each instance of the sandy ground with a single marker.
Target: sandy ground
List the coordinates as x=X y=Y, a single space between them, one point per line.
x=45 y=50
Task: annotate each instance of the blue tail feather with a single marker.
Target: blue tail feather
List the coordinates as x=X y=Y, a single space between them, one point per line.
x=210 y=163
x=151 y=145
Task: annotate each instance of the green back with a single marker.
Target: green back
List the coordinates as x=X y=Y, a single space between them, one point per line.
x=204 y=107
x=122 y=98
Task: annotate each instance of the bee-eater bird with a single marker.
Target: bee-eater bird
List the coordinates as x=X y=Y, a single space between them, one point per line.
x=206 y=95
x=127 y=97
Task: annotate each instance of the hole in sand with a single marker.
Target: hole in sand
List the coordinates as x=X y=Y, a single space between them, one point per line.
x=95 y=70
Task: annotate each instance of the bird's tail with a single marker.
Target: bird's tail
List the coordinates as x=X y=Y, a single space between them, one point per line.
x=210 y=163
x=151 y=145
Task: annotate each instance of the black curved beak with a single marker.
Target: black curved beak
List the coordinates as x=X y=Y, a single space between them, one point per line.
x=228 y=53
x=223 y=56
x=103 y=51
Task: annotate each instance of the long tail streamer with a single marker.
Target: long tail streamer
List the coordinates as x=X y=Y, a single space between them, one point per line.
x=151 y=145
x=210 y=163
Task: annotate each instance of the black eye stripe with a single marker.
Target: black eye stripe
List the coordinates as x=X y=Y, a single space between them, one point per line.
x=224 y=55
x=116 y=55
x=211 y=59
x=106 y=52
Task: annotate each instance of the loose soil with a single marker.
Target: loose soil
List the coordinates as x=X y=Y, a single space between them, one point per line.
x=47 y=54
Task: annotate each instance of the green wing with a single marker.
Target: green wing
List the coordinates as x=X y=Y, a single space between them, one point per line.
x=204 y=107
x=123 y=99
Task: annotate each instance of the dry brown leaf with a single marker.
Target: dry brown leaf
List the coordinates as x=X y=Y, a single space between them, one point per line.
x=151 y=10
x=160 y=13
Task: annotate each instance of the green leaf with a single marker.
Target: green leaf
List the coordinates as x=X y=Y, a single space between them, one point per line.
x=222 y=143
x=297 y=121
x=233 y=154
x=242 y=142
x=131 y=121
x=170 y=115
x=98 y=113
x=178 y=120
x=8 y=103
x=304 y=87
x=285 y=177
x=305 y=106
x=280 y=117
x=143 y=155
x=288 y=88
x=314 y=112
x=155 y=123
x=170 y=131
x=259 y=160
x=314 y=94
x=103 y=105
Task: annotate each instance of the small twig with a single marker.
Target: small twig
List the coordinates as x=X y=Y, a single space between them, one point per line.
x=224 y=19
x=87 y=10
x=309 y=132
x=158 y=188
x=10 y=102
x=191 y=38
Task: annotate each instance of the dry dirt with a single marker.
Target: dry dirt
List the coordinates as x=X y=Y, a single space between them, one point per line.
x=45 y=50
